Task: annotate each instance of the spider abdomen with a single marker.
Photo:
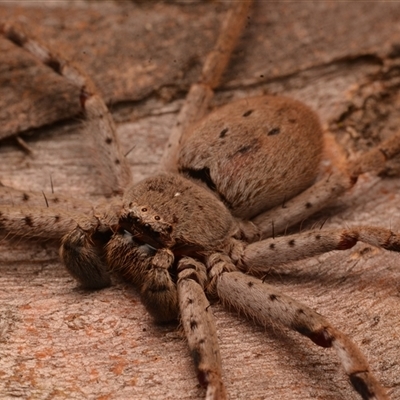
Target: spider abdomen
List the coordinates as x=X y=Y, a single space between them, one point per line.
x=255 y=153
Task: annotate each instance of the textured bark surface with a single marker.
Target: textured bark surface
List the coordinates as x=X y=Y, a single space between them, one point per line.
x=59 y=342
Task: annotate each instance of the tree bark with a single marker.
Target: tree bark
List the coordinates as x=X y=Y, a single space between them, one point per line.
x=60 y=342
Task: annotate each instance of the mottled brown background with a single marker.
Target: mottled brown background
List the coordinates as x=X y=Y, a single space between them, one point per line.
x=59 y=342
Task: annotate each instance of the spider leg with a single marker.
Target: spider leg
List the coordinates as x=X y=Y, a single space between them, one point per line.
x=325 y=191
x=114 y=168
x=80 y=237
x=42 y=223
x=148 y=270
x=258 y=256
x=201 y=93
x=21 y=198
x=83 y=258
x=158 y=291
x=198 y=323
x=265 y=304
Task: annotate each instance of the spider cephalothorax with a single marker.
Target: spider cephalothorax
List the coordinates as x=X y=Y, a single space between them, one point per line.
x=155 y=232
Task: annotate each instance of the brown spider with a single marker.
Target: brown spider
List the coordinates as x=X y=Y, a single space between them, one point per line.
x=213 y=225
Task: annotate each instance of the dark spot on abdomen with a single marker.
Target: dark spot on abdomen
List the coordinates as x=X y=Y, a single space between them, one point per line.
x=274 y=131
x=253 y=146
x=247 y=113
x=28 y=221
x=244 y=149
x=223 y=133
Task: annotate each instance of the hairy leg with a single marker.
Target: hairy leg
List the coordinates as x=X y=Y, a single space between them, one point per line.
x=265 y=304
x=259 y=256
x=198 y=323
x=201 y=93
x=21 y=198
x=42 y=223
x=325 y=191
x=113 y=167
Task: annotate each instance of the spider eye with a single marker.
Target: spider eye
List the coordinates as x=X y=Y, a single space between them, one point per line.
x=157 y=218
x=144 y=209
